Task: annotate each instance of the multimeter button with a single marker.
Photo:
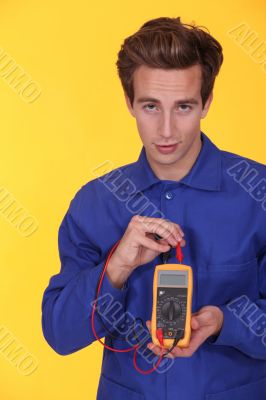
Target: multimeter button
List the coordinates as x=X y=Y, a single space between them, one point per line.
x=171 y=310
x=168 y=195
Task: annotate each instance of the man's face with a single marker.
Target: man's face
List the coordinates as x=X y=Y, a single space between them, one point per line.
x=174 y=114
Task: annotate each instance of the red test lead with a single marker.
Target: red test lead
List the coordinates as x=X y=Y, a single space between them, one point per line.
x=179 y=256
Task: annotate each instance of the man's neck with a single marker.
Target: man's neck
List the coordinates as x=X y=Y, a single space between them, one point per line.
x=175 y=172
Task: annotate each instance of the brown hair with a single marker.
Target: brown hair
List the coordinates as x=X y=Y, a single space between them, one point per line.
x=167 y=43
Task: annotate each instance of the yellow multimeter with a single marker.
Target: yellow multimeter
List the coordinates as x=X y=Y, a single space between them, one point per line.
x=172 y=302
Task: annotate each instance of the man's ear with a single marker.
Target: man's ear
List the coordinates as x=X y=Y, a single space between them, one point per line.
x=130 y=109
x=207 y=106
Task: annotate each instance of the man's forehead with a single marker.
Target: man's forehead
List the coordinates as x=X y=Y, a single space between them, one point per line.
x=147 y=81
x=170 y=74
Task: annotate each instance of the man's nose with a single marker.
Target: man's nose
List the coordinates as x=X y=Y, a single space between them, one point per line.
x=167 y=125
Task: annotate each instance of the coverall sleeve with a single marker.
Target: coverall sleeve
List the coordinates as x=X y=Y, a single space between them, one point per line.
x=66 y=303
x=244 y=325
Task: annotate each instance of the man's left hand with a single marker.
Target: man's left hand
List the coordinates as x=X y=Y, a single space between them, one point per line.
x=206 y=322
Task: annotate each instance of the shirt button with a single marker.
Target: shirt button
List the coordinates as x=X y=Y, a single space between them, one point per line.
x=168 y=195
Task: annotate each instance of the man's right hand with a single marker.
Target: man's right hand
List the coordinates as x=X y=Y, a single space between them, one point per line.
x=138 y=246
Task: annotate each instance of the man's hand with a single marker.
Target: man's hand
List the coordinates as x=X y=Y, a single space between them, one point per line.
x=138 y=246
x=206 y=322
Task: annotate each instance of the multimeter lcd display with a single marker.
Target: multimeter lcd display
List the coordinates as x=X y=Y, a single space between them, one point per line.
x=172 y=279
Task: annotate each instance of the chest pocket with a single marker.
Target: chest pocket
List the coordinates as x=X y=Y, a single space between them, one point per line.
x=219 y=283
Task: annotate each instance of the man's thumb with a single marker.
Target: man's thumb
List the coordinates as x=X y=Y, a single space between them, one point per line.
x=201 y=319
x=194 y=323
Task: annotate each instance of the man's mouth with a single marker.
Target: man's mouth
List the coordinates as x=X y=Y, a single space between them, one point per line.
x=165 y=149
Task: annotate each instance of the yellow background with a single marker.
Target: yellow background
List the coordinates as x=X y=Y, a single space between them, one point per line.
x=49 y=148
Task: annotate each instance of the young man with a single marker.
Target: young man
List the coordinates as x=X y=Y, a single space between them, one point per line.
x=183 y=188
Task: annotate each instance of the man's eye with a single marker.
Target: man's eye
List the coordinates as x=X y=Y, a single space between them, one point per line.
x=149 y=105
x=186 y=107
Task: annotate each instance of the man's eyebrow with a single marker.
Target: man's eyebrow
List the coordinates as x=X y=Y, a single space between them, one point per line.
x=178 y=102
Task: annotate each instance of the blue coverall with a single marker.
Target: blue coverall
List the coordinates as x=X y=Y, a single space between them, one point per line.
x=221 y=207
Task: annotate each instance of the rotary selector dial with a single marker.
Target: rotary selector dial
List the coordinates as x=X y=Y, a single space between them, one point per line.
x=171 y=310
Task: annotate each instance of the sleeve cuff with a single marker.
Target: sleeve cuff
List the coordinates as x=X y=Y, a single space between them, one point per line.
x=229 y=334
x=88 y=285
x=111 y=302
x=108 y=287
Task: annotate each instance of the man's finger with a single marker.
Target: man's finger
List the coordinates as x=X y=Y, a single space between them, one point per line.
x=148 y=324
